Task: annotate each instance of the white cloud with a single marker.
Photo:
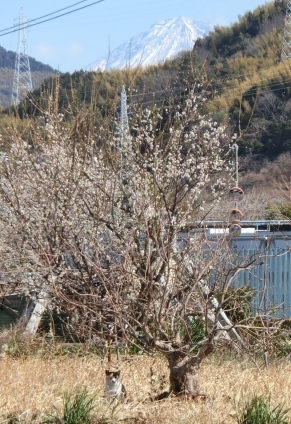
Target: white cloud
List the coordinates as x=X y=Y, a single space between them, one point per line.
x=46 y=52
x=75 y=50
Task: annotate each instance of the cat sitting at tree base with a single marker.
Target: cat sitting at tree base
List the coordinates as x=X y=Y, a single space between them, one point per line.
x=113 y=386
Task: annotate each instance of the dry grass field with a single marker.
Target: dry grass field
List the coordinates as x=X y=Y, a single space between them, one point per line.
x=32 y=387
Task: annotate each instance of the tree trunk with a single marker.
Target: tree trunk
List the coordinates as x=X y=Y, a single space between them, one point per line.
x=33 y=322
x=184 y=376
x=183 y=367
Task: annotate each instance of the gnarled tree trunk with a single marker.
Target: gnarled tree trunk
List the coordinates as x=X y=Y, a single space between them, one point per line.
x=183 y=367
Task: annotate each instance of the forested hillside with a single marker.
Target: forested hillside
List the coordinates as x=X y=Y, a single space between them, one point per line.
x=251 y=84
x=39 y=72
x=247 y=85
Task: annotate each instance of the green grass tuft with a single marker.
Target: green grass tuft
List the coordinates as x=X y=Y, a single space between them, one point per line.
x=78 y=408
x=258 y=411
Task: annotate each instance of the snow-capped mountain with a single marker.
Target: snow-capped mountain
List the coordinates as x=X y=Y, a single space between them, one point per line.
x=163 y=41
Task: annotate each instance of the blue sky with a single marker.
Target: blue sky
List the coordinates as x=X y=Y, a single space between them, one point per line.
x=75 y=41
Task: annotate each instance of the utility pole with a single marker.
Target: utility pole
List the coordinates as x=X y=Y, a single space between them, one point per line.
x=236 y=194
x=286 y=47
x=22 y=84
x=124 y=128
x=236 y=163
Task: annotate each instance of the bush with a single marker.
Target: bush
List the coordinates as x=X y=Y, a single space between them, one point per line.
x=14 y=344
x=237 y=303
x=258 y=411
x=278 y=212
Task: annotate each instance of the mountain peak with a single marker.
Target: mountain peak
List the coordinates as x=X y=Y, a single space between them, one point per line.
x=162 y=41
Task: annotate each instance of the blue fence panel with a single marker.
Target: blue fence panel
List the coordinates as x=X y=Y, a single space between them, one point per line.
x=271 y=280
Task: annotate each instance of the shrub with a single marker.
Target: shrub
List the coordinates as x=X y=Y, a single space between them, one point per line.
x=237 y=303
x=13 y=343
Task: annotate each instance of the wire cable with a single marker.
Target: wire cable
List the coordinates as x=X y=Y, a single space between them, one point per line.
x=258 y=86
x=255 y=88
x=55 y=17
x=178 y=90
x=44 y=16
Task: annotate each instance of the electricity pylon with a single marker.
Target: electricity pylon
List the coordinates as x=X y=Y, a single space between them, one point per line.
x=286 y=48
x=22 y=84
x=124 y=129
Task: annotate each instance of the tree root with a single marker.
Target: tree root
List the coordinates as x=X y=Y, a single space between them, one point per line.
x=181 y=397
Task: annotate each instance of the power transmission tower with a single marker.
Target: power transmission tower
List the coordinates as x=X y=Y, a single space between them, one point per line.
x=124 y=129
x=286 y=48
x=22 y=84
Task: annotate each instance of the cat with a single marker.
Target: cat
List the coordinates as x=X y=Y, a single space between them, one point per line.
x=113 y=386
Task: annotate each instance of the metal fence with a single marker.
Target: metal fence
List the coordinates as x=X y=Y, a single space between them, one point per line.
x=270 y=278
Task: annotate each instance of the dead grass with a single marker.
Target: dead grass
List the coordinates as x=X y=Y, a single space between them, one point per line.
x=30 y=387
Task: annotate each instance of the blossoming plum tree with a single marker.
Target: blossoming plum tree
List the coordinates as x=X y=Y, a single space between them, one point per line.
x=102 y=227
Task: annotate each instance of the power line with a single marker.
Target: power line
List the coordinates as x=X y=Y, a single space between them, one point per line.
x=258 y=86
x=44 y=16
x=264 y=86
x=258 y=89
x=55 y=17
x=136 y=8
x=146 y=8
x=224 y=96
x=206 y=92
